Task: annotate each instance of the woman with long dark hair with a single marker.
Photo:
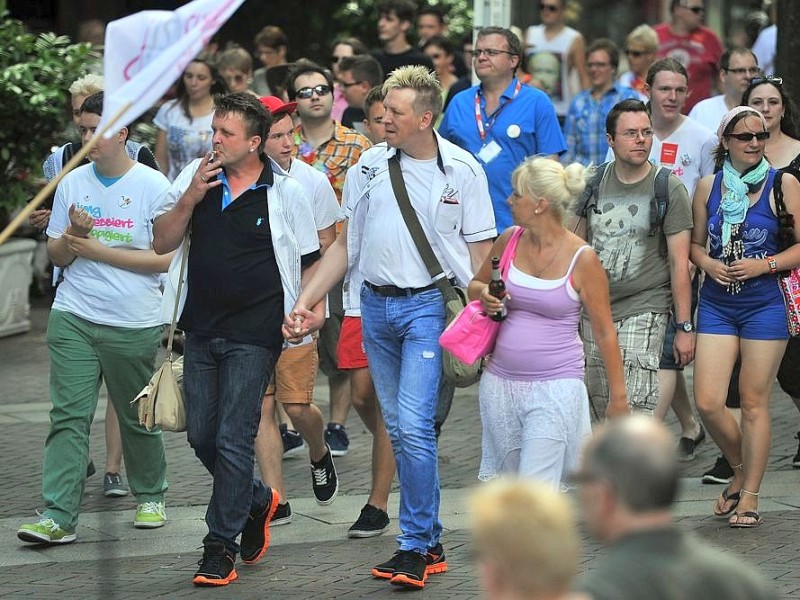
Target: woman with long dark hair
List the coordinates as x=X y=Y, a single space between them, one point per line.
x=185 y=123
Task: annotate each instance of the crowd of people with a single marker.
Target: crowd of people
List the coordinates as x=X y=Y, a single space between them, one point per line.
x=640 y=214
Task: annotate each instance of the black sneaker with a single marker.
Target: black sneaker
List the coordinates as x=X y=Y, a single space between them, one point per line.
x=721 y=472
x=337 y=440
x=324 y=480
x=292 y=441
x=687 y=446
x=796 y=459
x=437 y=563
x=282 y=516
x=371 y=522
x=255 y=535
x=217 y=566
x=435 y=560
x=410 y=570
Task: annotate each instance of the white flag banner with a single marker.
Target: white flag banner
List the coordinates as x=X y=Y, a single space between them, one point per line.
x=147 y=52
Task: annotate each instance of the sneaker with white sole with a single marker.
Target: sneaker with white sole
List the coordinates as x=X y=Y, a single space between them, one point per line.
x=45 y=531
x=324 y=480
x=150 y=515
x=282 y=516
x=113 y=486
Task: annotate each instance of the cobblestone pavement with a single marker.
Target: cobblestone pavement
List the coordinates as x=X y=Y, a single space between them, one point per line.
x=311 y=558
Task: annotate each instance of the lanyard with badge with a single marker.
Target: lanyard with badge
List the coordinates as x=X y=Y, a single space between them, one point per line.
x=490 y=151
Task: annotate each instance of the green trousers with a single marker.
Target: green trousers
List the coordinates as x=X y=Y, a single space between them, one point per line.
x=81 y=355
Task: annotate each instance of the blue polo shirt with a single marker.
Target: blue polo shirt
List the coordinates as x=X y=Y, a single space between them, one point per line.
x=522 y=127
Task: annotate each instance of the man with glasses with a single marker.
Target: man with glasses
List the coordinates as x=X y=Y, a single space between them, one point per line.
x=555 y=55
x=584 y=128
x=696 y=47
x=357 y=76
x=331 y=148
x=629 y=483
x=737 y=67
x=501 y=121
x=644 y=248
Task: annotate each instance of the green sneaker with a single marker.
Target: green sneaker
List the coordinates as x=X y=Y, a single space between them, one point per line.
x=150 y=515
x=46 y=531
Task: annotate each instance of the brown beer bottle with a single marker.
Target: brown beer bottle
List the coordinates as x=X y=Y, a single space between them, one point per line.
x=497 y=288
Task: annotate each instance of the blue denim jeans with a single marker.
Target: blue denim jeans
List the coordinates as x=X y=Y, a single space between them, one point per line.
x=224 y=384
x=401 y=339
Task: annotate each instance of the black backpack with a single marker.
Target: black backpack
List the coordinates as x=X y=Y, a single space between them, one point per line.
x=660 y=198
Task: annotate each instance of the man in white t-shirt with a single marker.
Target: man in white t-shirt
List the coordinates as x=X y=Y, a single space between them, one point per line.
x=686 y=148
x=765 y=47
x=402 y=310
x=104 y=324
x=736 y=68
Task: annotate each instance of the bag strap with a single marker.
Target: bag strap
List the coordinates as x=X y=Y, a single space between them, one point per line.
x=510 y=251
x=415 y=229
x=173 y=325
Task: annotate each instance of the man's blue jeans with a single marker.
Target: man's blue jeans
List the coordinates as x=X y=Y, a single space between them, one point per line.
x=224 y=384
x=401 y=339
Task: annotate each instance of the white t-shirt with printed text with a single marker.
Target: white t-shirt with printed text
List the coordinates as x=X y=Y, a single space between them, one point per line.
x=123 y=213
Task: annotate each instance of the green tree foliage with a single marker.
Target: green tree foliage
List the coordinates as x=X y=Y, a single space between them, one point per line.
x=35 y=75
x=359 y=18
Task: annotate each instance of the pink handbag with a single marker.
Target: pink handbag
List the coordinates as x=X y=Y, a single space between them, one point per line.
x=472 y=334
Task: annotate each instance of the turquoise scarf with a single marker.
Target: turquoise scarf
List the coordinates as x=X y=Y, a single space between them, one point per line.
x=735 y=202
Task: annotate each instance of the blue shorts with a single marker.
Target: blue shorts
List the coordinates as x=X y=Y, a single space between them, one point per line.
x=667 y=352
x=759 y=316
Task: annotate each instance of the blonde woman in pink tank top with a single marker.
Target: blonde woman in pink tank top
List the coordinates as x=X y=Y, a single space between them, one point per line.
x=533 y=401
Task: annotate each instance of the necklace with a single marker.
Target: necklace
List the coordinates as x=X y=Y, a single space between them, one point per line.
x=552 y=257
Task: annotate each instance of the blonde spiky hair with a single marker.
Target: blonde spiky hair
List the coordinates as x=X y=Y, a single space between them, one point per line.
x=87 y=85
x=428 y=91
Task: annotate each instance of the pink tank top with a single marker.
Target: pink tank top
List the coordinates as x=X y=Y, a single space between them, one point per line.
x=539 y=338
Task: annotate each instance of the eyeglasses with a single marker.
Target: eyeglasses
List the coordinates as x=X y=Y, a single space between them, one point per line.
x=695 y=9
x=306 y=92
x=597 y=65
x=745 y=71
x=633 y=134
x=336 y=59
x=749 y=136
x=548 y=7
x=346 y=85
x=635 y=53
x=436 y=56
x=776 y=81
x=490 y=52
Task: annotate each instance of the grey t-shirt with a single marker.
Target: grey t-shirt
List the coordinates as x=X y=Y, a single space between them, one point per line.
x=638 y=272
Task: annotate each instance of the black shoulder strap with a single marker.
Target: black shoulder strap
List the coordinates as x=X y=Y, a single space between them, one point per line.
x=417 y=233
x=69 y=152
x=661 y=199
x=591 y=189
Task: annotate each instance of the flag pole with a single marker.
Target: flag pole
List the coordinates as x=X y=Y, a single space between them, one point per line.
x=48 y=189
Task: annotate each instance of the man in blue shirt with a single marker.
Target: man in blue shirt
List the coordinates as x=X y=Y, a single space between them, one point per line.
x=501 y=121
x=585 y=126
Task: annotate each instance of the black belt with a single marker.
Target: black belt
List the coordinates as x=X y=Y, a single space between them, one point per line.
x=392 y=291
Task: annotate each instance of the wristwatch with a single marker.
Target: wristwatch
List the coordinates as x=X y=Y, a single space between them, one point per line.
x=686 y=326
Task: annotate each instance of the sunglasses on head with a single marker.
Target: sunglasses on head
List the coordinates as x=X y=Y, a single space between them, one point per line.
x=696 y=9
x=306 y=92
x=748 y=136
x=548 y=7
x=776 y=81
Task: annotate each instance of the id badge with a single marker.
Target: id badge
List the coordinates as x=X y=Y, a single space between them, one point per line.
x=489 y=152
